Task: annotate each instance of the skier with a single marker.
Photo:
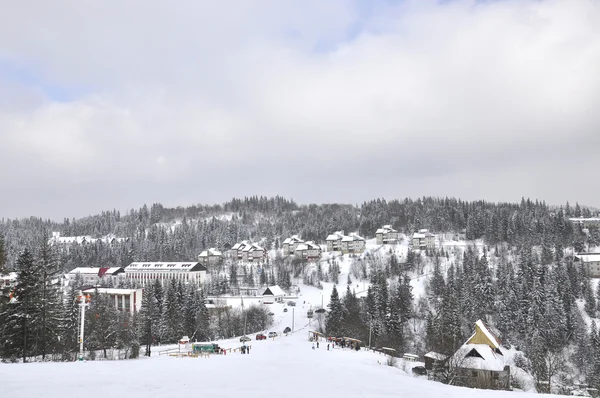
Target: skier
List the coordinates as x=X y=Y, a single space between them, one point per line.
x=327 y=346
x=317 y=343
x=313 y=346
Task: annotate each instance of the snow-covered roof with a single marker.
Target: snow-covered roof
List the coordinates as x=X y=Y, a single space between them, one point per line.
x=293 y=239
x=241 y=245
x=165 y=266
x=478 y=356
x=252 y=247
x=94 y=271
x=423 y=233
x=352 y=237
x=308 y=246
x=386 y=229
x=274 y=290
x=588 y=257
x=211 y=252
x=435 y=355
x=337 y=235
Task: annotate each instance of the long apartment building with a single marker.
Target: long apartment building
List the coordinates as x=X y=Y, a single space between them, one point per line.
x=145 y=273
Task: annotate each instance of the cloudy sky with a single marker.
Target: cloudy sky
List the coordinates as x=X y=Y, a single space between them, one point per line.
x=112 y=104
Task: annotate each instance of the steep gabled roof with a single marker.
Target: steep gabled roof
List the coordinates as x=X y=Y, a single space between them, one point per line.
x=273 y=291
x=483 y=335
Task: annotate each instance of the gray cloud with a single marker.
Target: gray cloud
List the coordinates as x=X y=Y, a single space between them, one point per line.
x=204 y=102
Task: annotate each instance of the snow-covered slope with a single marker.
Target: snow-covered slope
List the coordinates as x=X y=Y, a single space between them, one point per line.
x=286 y=366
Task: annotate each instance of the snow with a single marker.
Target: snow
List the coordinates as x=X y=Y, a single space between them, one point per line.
x=286 y=366
x=490 y=360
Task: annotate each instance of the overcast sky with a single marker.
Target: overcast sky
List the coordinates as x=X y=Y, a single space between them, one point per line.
x=112 y=104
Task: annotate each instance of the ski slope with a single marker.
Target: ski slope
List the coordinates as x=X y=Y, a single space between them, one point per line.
x=286 y=366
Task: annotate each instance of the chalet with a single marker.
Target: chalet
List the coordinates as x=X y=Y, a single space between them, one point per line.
x=236 y=250
x=210 y=257
x=589 y=262
x=146 y=273
x=334 y=241
x=126 y=300
x=386 y=235
x=353 y=244
x=273 y=294
x=308 y=251
x=480 y=362
x=95 y=275
x=290 y=244
x=253 y=253
x=423 y=240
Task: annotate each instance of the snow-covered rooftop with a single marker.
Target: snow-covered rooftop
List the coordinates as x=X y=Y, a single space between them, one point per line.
x=210 y=252
x=588 y=257
x=386 y=229
x=275 y=291
x=165 y=266
x=107 y=290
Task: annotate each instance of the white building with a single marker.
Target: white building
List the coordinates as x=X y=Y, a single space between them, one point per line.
x=66 y=241
x=126 y=300
x=423 y=240
x=273 y=294
x=308 y=251
x=586 y=222
x=290 y=244
x=210 y=257
x=8 y=280
x=94 y=275
x=353 y=244
x=334 y=241
x=590 y=262
x=146 y=273
x=386 y=235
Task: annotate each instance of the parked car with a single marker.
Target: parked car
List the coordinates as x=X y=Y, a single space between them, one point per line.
x=285 y=310
x=419 y=370
x=271 y=313
x=261 y=336
x=243 y=339
x=272 y=334
x=287 y=330
x=292 y=303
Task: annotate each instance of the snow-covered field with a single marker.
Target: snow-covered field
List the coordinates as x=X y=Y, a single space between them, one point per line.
x=283 y=367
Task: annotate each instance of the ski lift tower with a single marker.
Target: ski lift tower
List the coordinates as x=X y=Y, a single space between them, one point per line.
x=84 y=301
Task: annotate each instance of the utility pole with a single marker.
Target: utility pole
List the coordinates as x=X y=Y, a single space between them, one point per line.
x=84 y=301
x=370 y=330
x=293 y=320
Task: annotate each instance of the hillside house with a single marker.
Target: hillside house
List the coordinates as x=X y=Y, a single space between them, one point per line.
x=334 y=241
x=146 y=273
x=210 y=257
x=253 y=253
x=308 y=251
x=480 y=362
x=125 y=300
x=423 y=240
x=290 y=244
x=353 y=244
x=590 y=262
x=273 y=294
x=386 y=235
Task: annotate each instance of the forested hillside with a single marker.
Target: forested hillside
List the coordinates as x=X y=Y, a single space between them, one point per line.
x=519 y=277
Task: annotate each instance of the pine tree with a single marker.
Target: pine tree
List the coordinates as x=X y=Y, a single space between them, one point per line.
x=171 y=324
x=50 y=306
x=102 y=323
x=335 y=316
x=148 y=314
x=19 y=317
